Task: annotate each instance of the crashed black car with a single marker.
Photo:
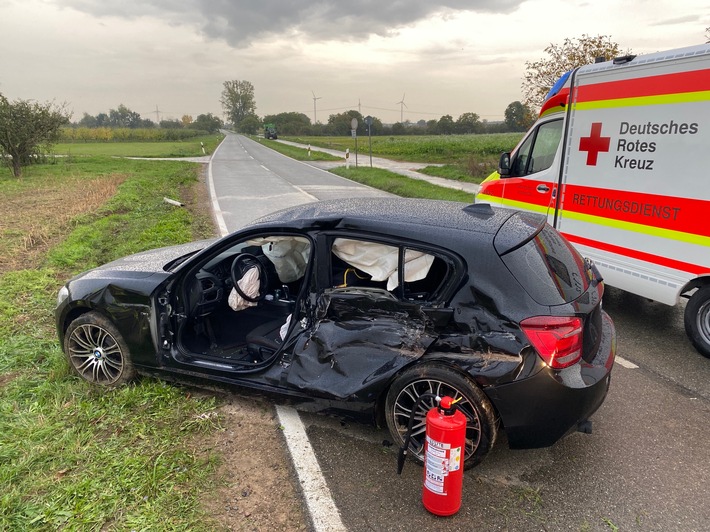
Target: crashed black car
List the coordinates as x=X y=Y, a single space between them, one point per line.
x=359 y=307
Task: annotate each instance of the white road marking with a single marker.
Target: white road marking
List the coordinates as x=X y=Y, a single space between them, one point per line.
x=324 y=514
x=321 y=507
x=216 y=211
x=626 y=363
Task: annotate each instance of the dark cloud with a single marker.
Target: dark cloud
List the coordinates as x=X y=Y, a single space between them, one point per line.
x=244 y=22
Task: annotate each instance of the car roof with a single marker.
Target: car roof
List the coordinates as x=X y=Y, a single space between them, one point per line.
x=422 y=218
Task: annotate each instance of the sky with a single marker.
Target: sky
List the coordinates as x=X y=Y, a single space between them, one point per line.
x=169 y=58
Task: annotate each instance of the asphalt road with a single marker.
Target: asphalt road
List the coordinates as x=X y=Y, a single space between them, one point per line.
x=646 y=466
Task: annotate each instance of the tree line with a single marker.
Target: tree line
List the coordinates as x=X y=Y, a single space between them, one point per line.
x=239 y=104
x=123 y=117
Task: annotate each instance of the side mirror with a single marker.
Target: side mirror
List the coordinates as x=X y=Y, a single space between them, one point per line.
x=504 y=165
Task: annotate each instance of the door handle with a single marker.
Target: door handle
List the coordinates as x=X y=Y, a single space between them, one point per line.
x=543 y=189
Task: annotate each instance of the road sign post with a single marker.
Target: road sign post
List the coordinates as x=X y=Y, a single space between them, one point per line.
x=353 y=126
x=368 y=121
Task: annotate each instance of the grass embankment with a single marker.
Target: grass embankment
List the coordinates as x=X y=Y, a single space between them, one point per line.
x=463 y=157
x=73 y=457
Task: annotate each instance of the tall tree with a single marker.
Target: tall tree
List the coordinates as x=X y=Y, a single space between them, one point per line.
x=124 y=117
x=446 y=125
x=469 y=123
x=208 y=122
x=26 y=127
x=518 y=116
x=541 y=75
x=339 y=124
x=238 y=101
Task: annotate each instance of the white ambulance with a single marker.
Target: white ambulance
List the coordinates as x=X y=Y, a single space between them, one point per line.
x=619 y=160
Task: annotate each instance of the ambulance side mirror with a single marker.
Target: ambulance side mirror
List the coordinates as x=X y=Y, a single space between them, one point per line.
x=504 y=165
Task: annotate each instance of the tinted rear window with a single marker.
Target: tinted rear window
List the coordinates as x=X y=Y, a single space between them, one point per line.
x=549 y=268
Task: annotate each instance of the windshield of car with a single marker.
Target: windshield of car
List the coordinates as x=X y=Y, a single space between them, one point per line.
x=549 y=268
x=173 y=264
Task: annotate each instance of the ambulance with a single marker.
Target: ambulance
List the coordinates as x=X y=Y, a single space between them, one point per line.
x=619 y=161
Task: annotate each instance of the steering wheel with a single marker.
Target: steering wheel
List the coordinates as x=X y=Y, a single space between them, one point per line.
x=243 y=263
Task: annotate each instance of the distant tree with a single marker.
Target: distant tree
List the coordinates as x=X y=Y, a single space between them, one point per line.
x=249 y=125
x=208 y=122
x=88 y=121
x=518 y=116
x=26 y=127
x=238 y=101
x=445 y=125
x=290 y=123
x=339 y=125
x=469 y=123
x=102 y=120
x=170 y=124
x=124 y=117
x=186 y=120
x=431 y=127
x=376 y=128
x=541 y=75
x=399 y=129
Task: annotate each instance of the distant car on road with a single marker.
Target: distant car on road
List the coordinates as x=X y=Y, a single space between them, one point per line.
x=359 y=307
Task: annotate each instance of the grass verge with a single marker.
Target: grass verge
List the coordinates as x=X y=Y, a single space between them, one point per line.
x=300 y=154
x=72 y=457
x=401 y=185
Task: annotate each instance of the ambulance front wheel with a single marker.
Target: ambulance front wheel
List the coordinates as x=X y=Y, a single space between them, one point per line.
x=481 y=419
x=697 y=320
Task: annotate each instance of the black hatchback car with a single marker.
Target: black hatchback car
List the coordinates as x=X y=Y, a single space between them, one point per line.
x=359 y=307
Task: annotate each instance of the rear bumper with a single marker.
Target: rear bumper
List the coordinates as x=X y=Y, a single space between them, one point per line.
x=539 y=410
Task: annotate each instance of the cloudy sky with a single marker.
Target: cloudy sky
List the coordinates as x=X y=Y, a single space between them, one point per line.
x=441 y=56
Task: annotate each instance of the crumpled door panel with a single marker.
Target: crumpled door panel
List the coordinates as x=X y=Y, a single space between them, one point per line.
x=360 y=338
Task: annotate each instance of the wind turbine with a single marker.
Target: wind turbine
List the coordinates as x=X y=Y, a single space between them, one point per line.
x=314 y=106
x=402 y=105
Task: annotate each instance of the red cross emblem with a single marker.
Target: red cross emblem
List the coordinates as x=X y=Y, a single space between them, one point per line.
x=594 y=143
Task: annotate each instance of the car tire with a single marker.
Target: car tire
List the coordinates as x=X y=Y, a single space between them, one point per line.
x=97 y=352
x=481 y=419
x=697 y=320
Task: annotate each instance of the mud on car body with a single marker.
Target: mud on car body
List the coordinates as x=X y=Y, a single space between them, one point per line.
x=359 y=307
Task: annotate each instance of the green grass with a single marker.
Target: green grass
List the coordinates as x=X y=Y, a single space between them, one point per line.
x=73 y=457
x=454 y=172
x=401 y=185
x=185 y=148
x=300 y=154
x=425 y=149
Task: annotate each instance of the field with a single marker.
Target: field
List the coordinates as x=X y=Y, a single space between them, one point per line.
x=423 y=149
x=464 y=157
x=191 y=147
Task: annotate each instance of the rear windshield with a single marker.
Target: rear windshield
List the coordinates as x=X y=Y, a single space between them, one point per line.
x=549 y=268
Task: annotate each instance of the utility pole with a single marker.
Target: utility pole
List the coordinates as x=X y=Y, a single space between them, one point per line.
x=314 y=107
x=157 y=113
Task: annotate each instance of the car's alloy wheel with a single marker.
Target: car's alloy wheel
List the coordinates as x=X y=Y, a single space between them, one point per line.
x=481 y=424
x=97 y=352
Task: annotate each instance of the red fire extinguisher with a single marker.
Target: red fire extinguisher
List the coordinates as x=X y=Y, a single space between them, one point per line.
x=444 y=450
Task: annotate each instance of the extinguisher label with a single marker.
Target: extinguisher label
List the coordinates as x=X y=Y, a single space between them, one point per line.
x=455 y=459
x=439 y=459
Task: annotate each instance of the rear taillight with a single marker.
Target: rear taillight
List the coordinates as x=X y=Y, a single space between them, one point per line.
x=557 y=339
